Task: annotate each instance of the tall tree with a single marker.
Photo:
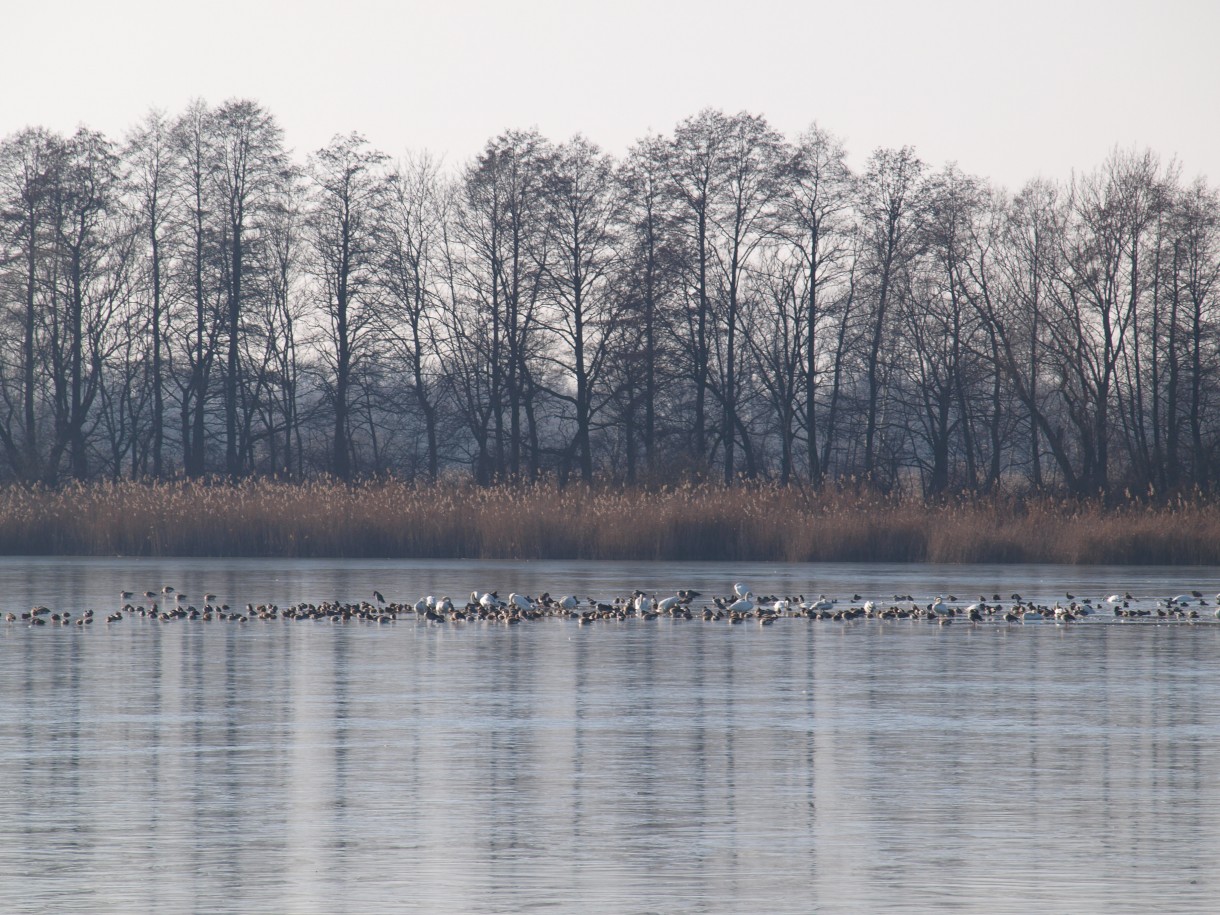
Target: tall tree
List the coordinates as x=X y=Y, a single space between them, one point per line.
x=415 y=268
x=751 y=179
x=816 y=224
x=582 y=202
x=31 y=163
x=248 y=166
x=648 y=260
x=150 y=177
x=90 y=253
x=350 y=192
x=501 y=228
x=696 y=164
x=889 y=211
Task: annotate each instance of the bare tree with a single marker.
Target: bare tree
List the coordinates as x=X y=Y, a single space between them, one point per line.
x=415 y=267
x=248 y=166
x=889 y=211
x=695 y=165
x=500 y=227
x=150 y=165
x=648 y=262
x=349 y=191
x=816 y=225
x=744 y=217
x=30 y=170
x=582 y=202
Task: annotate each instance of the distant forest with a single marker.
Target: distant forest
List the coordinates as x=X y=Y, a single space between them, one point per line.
x=721 y=303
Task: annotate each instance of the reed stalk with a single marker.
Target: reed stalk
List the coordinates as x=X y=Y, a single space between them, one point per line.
x=391 y=519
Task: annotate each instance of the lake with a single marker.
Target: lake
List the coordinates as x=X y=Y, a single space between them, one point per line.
x=632 y=767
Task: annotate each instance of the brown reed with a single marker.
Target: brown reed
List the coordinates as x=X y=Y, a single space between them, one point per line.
x=388 y=519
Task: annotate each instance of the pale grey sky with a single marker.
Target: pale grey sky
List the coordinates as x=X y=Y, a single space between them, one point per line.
x=1009 y=90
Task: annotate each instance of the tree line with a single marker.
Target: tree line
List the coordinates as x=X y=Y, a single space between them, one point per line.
x=722 y=302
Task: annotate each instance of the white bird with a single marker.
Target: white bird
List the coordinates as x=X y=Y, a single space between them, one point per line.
x=445 y=606
x=520 y=601
x=570 y=602
x=939 y=607
x=741 y=589
x=643 y=604
x=487 y=601
x=1180 y=599
x=669 y=603
x=870 y=606
x=780 y=607
x=742 y=605
x=822 y=603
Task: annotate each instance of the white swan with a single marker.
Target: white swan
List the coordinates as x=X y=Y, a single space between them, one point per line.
x=489 y=601
x=741 y=589
x=742 y=605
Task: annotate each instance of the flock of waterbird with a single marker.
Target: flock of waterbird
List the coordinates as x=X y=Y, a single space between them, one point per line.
x=741 y=605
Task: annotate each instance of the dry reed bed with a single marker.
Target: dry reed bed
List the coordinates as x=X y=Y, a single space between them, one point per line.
x=392 y=519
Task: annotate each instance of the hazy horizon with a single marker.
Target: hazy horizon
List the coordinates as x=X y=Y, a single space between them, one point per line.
x=1008 y=94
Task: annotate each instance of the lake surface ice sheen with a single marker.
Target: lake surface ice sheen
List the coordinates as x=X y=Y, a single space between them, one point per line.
x=635 y=767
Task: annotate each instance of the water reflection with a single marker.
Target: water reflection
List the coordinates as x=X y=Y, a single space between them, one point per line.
x=635 y=767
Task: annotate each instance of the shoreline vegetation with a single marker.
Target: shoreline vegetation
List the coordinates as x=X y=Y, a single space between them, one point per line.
x=694 y=521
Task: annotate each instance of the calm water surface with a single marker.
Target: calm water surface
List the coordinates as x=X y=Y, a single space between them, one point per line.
x=635 y=767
